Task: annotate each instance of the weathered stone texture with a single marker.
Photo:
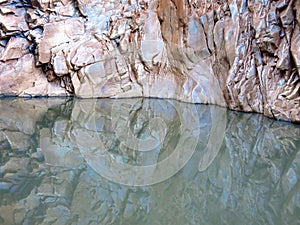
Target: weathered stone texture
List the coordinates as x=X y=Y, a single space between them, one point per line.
x=240 y=54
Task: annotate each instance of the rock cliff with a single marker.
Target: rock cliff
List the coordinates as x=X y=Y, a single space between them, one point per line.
x=241 y=54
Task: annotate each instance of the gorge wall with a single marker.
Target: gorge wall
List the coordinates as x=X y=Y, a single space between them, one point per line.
x=241 y=54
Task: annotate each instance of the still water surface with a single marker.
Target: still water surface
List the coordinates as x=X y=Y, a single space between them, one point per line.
x=145 y=161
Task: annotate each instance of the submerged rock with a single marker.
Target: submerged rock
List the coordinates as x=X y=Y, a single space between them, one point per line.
x=242 y=55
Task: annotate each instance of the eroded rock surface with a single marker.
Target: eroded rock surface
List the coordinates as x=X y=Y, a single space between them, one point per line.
x=240 y=54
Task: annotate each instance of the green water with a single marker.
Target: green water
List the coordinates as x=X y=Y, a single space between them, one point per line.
x=145 y=161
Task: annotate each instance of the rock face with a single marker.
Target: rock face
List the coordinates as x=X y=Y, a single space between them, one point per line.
x=241 y=54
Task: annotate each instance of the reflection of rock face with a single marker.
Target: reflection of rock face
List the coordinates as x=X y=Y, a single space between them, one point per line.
x=137 y=141
x=253 y=178
x=243 y=55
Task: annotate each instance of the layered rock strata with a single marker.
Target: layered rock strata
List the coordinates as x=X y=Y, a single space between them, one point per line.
x=240 y=54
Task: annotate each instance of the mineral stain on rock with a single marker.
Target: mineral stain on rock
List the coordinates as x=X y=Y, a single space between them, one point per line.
x=241 y=54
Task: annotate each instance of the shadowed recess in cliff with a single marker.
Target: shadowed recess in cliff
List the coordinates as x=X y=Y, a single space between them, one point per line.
x=244 y=168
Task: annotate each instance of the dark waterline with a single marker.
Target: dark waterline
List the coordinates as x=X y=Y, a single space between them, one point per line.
x=62 y=162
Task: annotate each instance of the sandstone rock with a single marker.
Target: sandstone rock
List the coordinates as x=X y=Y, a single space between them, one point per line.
x=58 y=33
x=35 y=18
x=16 y=48
x=7 y=9
x=14 y=22
x=296 y=7
x=284 y=60
x=87 y=52
x=65 y=8
x=287 y=16
x=295 y=47
x=20 y=77
x=60 y=64
x=238 y=54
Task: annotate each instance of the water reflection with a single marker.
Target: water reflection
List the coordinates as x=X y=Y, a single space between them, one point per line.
x=244 y=168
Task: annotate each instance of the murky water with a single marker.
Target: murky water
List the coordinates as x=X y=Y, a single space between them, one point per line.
x=136 y=161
